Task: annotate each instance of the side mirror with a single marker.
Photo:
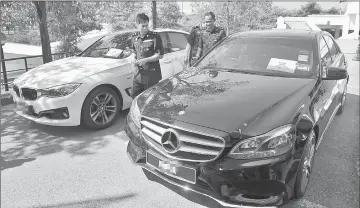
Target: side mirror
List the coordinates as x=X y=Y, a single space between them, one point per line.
x=213 y=74
x=335 y=73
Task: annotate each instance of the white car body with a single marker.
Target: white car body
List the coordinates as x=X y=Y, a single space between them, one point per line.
x=91 y=73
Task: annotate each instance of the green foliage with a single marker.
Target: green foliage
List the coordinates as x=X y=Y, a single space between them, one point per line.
x=309 y=9
x=243 y=15
x=68 y=21
x=124 y=25
x=20 y=14
x=332 y=11
x=277 y=11
x=112 y=12
x=169 y=13
x=24 y=37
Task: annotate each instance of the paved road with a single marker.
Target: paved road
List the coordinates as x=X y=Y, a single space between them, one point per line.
x=62 y=167
x=73 y=167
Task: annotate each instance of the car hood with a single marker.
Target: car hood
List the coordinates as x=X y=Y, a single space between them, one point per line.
x=227 y=102
x=66 y=71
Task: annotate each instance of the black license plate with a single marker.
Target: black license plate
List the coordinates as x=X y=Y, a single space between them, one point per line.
x=172 y=168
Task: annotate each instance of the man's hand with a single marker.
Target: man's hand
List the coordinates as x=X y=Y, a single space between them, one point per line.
x=140 y=62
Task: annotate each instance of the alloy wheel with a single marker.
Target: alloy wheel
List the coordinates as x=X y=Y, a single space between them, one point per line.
x=103 y=108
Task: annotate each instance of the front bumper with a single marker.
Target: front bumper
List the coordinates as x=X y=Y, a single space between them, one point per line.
x=226 y=182
x=49 y=111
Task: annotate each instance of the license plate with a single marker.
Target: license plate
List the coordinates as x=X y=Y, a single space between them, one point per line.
x=172 y=168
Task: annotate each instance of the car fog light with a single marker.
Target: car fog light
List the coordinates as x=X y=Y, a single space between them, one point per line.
x=65 y=115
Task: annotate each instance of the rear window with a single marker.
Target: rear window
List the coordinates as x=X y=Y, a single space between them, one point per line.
x=274 y=56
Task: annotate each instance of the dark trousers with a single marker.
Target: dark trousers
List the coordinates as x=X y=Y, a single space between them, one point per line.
x=138 y=88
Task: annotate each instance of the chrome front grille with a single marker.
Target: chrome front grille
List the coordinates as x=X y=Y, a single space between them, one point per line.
x=29 y=94
x=194 y=146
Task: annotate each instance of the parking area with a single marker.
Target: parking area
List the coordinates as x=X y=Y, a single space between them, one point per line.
x=62 y=167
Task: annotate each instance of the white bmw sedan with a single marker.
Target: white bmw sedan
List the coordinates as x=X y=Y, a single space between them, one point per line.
x=92 y=87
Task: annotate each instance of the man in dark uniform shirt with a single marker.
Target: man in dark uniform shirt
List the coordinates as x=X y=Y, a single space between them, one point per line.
x=148 y=50
x=211 y=34
x=193 y=46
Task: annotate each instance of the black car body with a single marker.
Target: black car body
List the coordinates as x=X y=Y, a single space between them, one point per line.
x=241 y=127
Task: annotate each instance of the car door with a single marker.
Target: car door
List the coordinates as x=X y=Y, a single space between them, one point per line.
x=326 y=91
x=166 y=63
x=177 y=44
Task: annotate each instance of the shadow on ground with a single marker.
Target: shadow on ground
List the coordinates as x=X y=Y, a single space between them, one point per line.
x=14 y=163
x=21 y=138
x=91 y=203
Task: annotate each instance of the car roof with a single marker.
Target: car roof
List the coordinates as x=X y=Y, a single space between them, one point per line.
x=136 y=30
x=280 y=33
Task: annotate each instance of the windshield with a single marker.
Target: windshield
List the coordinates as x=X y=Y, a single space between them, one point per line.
x=267 y=56
x=114 y=46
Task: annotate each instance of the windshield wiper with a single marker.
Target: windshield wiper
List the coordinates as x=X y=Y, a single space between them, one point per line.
x=243 y=71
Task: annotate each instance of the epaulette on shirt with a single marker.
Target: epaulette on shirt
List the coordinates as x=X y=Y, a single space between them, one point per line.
x=152 y=33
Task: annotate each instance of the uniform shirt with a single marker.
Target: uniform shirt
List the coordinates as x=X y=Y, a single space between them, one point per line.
x=210 y=38
x=194 y=40
x=145 y=47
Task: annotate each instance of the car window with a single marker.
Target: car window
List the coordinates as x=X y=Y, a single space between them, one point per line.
x=332 y=46
x=112 y=46
x=178 y=41
x=258 y=55
x=325 y=52
x=298 y=26
x=164 y=42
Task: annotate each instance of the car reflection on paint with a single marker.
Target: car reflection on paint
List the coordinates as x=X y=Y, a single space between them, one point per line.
x=243 y=125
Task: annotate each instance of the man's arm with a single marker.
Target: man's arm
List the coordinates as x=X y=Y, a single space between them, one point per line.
x=133 y=47
x=200 y=48
x=188 y=53
x=190 y=42
x=222 y=34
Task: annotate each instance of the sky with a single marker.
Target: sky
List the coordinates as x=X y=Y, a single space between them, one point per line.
x=287 y=5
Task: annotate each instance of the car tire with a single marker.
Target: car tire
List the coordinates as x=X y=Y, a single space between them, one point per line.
x=98 y=111
x=343 y=99
x=305 y=167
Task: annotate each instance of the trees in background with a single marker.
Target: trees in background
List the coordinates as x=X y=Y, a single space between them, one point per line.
x=44 y=33
x=68 y=21
x=237 y=16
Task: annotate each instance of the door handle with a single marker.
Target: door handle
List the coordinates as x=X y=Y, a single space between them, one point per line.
x=167 y=61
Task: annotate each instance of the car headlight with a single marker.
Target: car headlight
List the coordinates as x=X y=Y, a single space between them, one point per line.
x=58 y=91
x=273 y=143
x=135 y=112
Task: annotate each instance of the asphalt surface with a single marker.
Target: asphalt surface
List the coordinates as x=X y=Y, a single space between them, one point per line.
x=48 y=167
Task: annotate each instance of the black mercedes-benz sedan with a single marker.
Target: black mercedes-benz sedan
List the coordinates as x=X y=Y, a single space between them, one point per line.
x=242 y=126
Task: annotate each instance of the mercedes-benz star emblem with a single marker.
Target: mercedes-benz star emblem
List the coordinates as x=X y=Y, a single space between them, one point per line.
x=170 y=141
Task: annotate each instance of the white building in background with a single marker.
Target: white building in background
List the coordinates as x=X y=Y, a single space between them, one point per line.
x=344 y=26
